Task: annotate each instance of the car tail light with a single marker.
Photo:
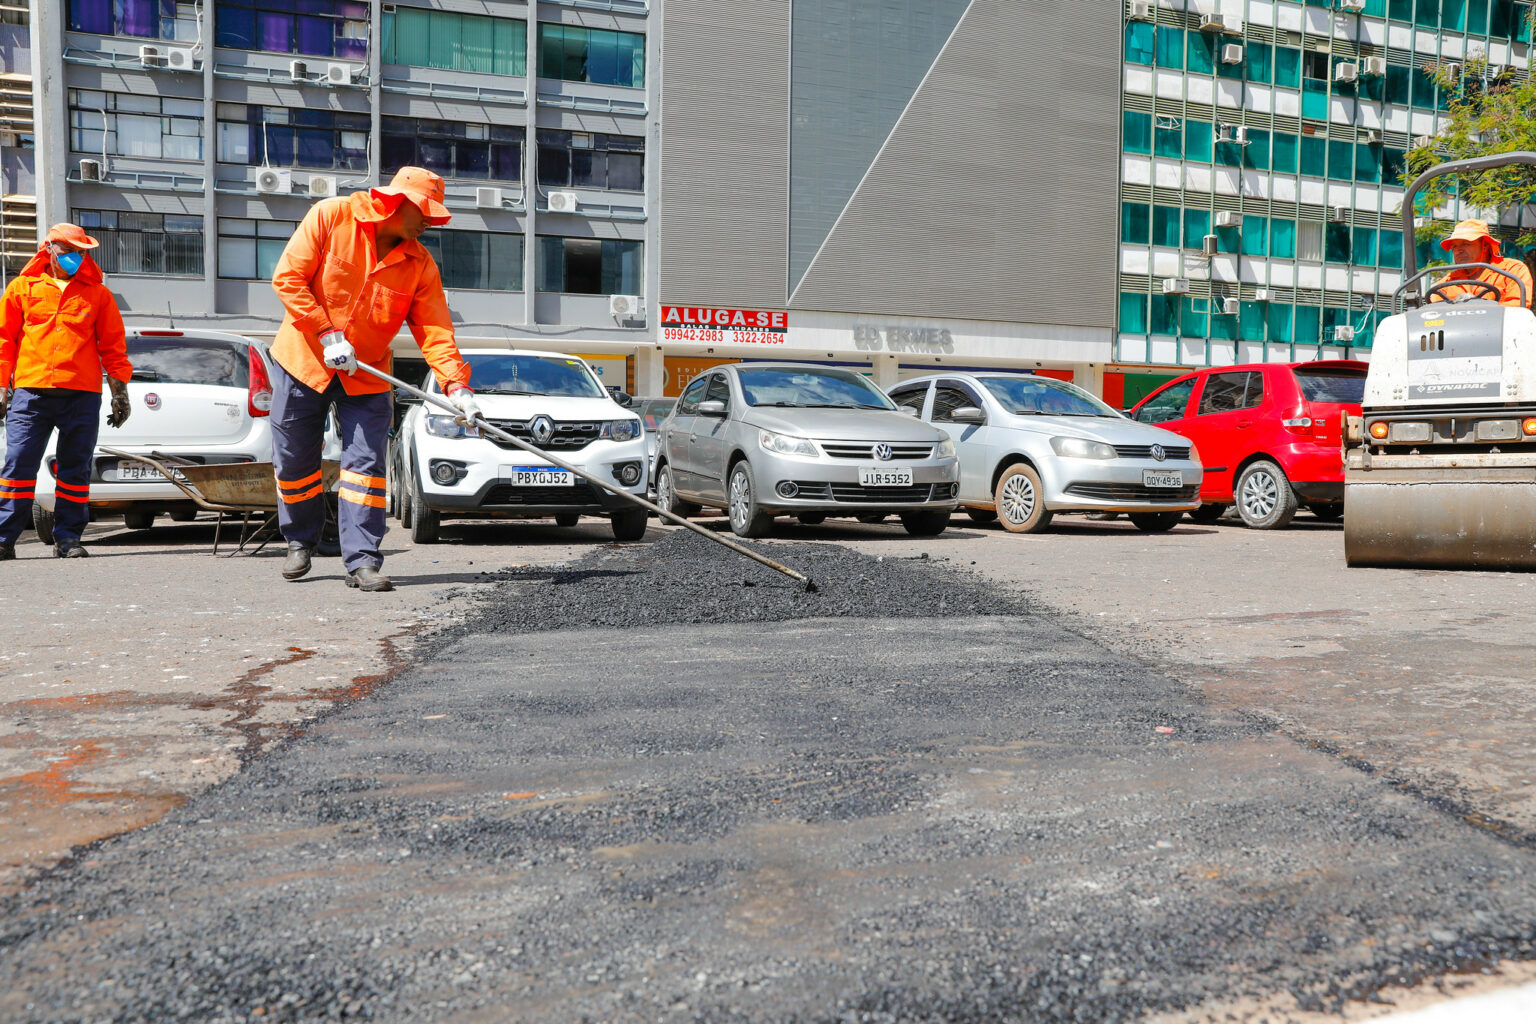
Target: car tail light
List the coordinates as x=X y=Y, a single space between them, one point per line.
x=1529 y=426
x=259 y=397
x=1380 y=429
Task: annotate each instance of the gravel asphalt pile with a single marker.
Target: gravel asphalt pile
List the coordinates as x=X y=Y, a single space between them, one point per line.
x=838 y=817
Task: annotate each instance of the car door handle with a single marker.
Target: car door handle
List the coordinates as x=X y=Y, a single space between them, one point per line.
x=1245 y=424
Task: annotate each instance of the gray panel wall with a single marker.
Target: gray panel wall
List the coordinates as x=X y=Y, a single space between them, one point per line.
x=996 y=196
x=725 y=152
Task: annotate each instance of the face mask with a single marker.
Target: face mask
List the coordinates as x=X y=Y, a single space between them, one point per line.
x=70 y=262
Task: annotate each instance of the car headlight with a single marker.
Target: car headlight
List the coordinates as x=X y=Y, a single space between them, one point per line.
x=1081 y=448
x=444 y=426
x=784 y=444
x=621 y=430
x=946 y=449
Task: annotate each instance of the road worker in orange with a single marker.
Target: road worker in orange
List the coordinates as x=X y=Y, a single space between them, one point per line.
x=1471 y=243
x=351 y=274
x=59 y=329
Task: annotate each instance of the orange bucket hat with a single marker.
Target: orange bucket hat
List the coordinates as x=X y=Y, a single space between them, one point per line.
x=1470 y=231
x=421 y=187
x=71 y=234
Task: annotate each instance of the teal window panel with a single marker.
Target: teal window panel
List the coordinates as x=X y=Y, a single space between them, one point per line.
x=1336 y=243
x=1341 y=160
x=1197 y=224
x=1428 y=252
x=1233 y=72
x=1477 y=17
x=1200 y=52
x=1169 y=142
x=1194 y=321
x=1393 y=163
x=1256 y=153
x=1282 y=239
x=1223 y=325
x=1279 y=322
x=1363 y=247
x=1229 y=154
x=1375 y=8
x=1282 y=153
x=1140 y=43
x=1423 y=90
x=406 y=33
x=1367 y=165
x=1389 y=249
x=1453 y=15
x=1133 y=313
x=1197 y=141
x=1229 y=239
x=1250 y=321
x=1170 y=47
x=1400 y=10
x=1373 y=88
x=1426 y=14
x=1165 y=226
x=1165 y=314
x=1398 y=81
x=1135 y=223
x=1500 y=13
x=1287 y=67
x=1137 y=132
x=1314 y=156
x=1314 y=99
x=1258 y=62
x=1255 y=235
x=1308 y=327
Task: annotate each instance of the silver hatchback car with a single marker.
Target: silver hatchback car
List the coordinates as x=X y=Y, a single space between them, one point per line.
x=1031 y=447
x=767 y=439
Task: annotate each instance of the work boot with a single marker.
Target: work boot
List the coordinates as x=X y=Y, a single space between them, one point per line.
x=367 y=578
x=70 y=549
x=297 y=563
x=7 y=552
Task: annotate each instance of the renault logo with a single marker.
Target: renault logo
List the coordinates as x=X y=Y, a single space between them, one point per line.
x=542 y=428
x=883 y=452
x=1159 y=453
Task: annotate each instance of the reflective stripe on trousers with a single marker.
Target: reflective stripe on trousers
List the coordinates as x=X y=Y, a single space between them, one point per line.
x=34 y=414
x=298 y=434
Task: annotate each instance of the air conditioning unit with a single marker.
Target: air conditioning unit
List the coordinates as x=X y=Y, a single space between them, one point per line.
x=9 y=138
x=563 y=202
x=1230 y=306
x=151 y=56
x=338 y=74
x=1209 y=246
x=1451 y=68
x=1141 y=10
x=1212 y=23
x=1339 y=215
x=1346 y=72
x=1263 y=295
x=1232 y=53
x=179 y=59
x=298 y=70
x=1175 y=286
x=1420 y=141
x=630 y=307
x=1375 y=66
x=1228 y=219
x=1371 y=137
x=1226 y=133
x=322 y=185
x=90 y=170
x=274 y=182
x=1240 y=135
x=488 y=198
x=1343 y=332
x=1352 y=6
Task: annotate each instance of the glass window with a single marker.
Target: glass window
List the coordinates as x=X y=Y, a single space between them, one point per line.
x=1250 y=321
x=1135 y=224
x=1314 y=99
x=591 y=160
x=1200 y=53
x=817 y=385
x=1337 y=243
x=1170 y=47
x=1390 y=249
x=947 y=397
x=1258 y=61
x=1400 y=10
x=718 y=390
x=454 y=42
x=1283 y=149
x=316 y=28
x=1197 y=224
x=477 y=260
x=453 y=149
x=169 y=245
x=1165 y=314
x=1256 y=153
x=1140 y=45
x=693 y=394
x=1133 y=313
x=1314 y=156
x=1170 y=142
x=914 y=396
x=1426 y=14
x=1255 y=235
x=1341 y=160
x=249 y=249
x=145 y=19
x=574 y=53
x=279 y=137
x=1165 y=225
x=1362 y=247
x=1308 y=330
x=1278 y=322
x=1287 y=67
x=1397 y=84
x=159 y=127
x=1309 y=240
x=1171 y=403
x=1394 y=162
x=1282 y=239
x=1224 y=392
x=1477 y=17
x=590 y=266
x=1197 y=141
x=1032 y=393
x=1193 y=318
x=1137 y=130
x=191 y=361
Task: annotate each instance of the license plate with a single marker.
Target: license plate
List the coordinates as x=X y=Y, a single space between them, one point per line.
x=885 y=476
x=1165 y=478
x=540 y=476
x=129 y=471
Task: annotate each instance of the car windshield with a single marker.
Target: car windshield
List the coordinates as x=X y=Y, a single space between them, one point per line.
x=1344 y=387
x=190 y=361
x=810 y=387
x=1044 y=396
x=492 y=373
x=652 y=410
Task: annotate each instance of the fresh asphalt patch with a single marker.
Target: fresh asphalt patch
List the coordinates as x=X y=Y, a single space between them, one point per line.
x=660 y=786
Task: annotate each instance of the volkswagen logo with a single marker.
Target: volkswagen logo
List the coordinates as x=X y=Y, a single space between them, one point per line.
x=542 y=428
x=1159 y=453
x=883 y=452
x=152 y=400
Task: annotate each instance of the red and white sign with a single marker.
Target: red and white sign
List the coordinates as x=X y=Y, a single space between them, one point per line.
x=723 y=326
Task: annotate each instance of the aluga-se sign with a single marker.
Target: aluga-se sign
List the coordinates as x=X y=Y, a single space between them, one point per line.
x=710 y=325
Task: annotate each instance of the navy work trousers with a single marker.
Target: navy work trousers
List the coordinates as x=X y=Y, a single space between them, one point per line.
x=298 y=435
x=34 y=414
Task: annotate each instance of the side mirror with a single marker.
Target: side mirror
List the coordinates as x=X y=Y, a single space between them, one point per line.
x=907 y=410
x=621 y=397
x=968 y=414
x=713 y=407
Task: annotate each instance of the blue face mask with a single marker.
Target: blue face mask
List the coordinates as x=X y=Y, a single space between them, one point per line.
x=70 y=262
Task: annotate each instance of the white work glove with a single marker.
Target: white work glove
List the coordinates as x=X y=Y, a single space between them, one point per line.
x=339 y=353
x=463 y=400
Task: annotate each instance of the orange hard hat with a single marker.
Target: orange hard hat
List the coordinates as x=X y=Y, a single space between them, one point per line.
x=1470 y=231
x=71 y=234
x=422 y=187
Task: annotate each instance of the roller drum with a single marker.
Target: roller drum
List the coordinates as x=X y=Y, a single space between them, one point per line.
x=1440 y=519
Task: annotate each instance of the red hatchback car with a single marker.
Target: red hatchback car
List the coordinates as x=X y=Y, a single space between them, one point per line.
x=1267 y=433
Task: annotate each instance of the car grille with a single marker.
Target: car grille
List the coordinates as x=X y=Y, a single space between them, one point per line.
x=506 y=494
x=811 y=490
x=568 y=437
x=1134 y=492
x=1144 y=451
x=866 y=450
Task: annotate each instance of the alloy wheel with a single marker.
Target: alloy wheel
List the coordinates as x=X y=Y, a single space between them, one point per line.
x=741 y=499
x=664 y=489
x=1018 y=499
x=1260 y=495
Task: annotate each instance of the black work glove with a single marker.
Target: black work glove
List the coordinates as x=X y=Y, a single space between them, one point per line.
x=120 y=406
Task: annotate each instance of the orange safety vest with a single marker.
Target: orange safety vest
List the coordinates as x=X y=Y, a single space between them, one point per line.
x=1509 y=293
x=60 y=338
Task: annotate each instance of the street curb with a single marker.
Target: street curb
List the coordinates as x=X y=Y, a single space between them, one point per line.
x=1508 y=1006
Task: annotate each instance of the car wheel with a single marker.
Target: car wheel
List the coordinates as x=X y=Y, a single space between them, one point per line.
x=747 y=517
x=42 y=522
x=183 y=517
x=925 y=524
x=1328 y=513
x=981 y=515
x=1020 y=507
x=629 y=524
x=1264 y=496
x=424 y=521
x=1208 y=513
x=667 y=498
x=139 y=518
x=1155 y=522
x=567 y=519
x=871 y=518
x=811 y=518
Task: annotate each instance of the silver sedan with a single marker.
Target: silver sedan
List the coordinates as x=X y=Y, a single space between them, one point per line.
x=1031 y=447
x=767 y=439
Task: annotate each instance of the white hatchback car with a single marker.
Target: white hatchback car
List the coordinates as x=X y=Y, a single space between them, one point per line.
x=204 y=396
x=556 y=402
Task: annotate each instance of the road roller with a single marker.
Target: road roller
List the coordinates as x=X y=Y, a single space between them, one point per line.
x=1440 y=469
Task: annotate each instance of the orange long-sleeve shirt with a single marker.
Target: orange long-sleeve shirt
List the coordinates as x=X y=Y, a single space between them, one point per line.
x=1509 y=292
x=52 y=337
x=330 y=278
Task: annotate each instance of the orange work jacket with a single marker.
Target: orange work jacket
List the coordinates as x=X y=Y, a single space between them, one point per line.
x=60 y=338
x=1509 y=294
x=330 y=278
